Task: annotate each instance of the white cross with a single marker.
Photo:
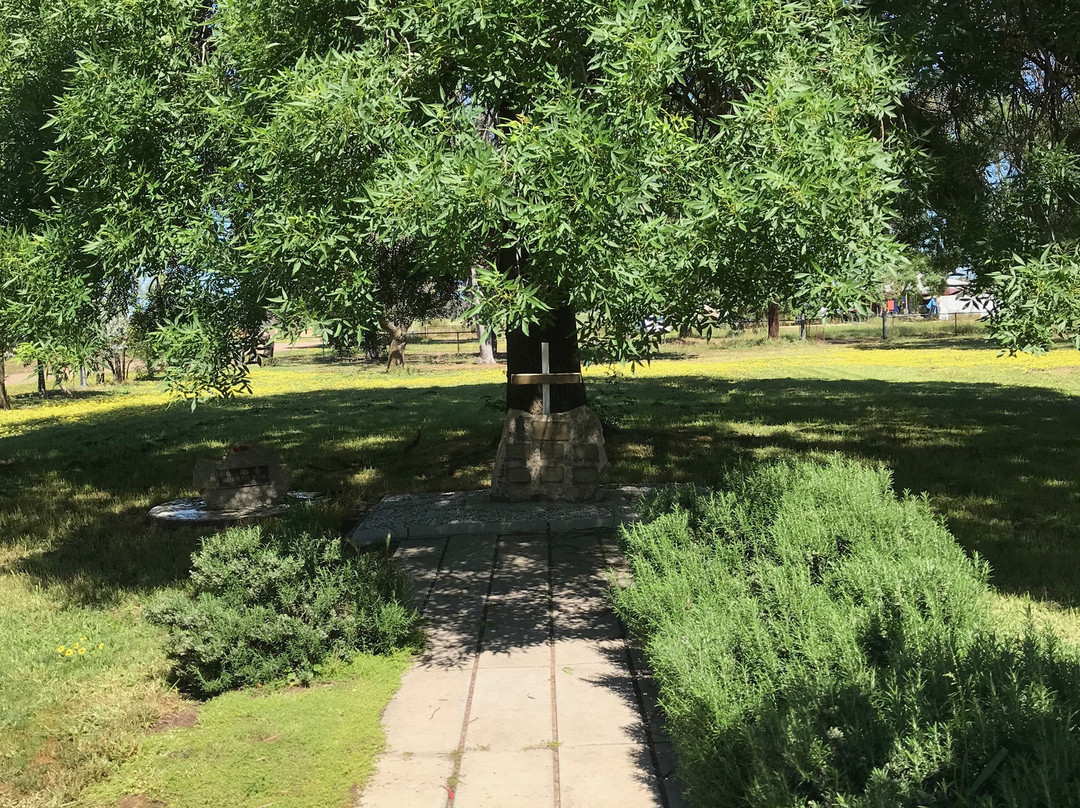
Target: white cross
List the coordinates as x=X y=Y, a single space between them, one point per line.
x=545 y=367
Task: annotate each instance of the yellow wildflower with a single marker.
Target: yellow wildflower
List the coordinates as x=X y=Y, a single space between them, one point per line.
x=68 y=652
x=82 y=650
x=60 y=649
x=100 y=645
x=82 y=639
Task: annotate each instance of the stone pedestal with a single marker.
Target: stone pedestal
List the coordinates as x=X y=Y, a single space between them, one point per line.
x=249 y=476
x=558 y=457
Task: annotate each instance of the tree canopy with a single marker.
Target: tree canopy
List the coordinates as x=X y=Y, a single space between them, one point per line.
x=220 y=163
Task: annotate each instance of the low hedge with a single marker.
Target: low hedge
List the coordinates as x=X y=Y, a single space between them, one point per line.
x=819 y=641
x=274 y=603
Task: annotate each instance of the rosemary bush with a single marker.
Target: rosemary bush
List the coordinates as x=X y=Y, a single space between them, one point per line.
x=267 y=604
x=819 y=641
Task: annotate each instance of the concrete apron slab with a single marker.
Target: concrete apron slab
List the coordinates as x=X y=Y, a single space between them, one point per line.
x=528 y=693
x=473 y=513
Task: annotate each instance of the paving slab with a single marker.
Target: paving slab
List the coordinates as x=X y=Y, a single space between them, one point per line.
x=511 y=709
x=598 y=704
x=420 y=559
x=425 y=718
x=528 y=692
x=506 y=779
x=574 y=651
x=517 y=632
x=408 y=781
x=583 y=784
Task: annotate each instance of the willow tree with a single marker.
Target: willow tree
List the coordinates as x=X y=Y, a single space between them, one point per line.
x=591 y=164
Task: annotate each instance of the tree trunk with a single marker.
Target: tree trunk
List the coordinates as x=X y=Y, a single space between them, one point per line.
x=488 y=343
x=523 y=356
x=488 y=346
x=82 y=376
x=774 y=321
x=523 y=353
x=41 y=379
x=5 y=402
x=398 y=339
x=116 y=364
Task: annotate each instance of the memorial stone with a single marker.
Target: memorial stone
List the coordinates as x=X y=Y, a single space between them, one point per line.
x=250 y=476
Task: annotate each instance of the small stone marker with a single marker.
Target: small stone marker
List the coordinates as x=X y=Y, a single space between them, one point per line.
x=249 y=476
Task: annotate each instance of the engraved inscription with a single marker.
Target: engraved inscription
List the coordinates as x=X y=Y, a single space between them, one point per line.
x=243 y=476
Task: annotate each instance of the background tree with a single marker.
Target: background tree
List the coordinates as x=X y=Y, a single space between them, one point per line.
x=46 y=316
x=992 y=103
x=909 y=280
x=136 y=171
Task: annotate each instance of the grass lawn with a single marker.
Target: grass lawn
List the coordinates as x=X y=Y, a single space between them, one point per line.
x=292 y=748
x=994 y=441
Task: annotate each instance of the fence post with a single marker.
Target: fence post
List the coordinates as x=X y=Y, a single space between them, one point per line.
x=955 y=326
x=884 y=325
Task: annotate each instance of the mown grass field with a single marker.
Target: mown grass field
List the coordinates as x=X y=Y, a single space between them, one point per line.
x=994 y=441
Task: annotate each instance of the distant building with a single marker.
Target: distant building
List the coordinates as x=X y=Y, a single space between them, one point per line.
x=958 y=298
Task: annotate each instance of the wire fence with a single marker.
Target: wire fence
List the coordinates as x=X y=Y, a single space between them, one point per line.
x=461 y=338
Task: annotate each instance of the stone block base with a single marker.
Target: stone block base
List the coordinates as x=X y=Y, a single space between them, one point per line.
x=558 y=457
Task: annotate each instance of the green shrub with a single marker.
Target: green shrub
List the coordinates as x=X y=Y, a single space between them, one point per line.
x=274 y=603
x=818 y=641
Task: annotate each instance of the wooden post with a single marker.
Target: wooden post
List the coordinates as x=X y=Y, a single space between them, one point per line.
x=545 y=378
x=523 y=355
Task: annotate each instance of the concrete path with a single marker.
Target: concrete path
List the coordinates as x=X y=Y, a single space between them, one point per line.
x=528 y=693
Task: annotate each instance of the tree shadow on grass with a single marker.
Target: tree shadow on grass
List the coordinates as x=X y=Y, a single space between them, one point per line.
x=53 y=395
x=1000 y=463
x=74 y=494
x=903 y=342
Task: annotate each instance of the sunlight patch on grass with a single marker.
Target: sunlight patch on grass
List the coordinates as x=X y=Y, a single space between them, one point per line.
x=291 y=748
x=1014 y=611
